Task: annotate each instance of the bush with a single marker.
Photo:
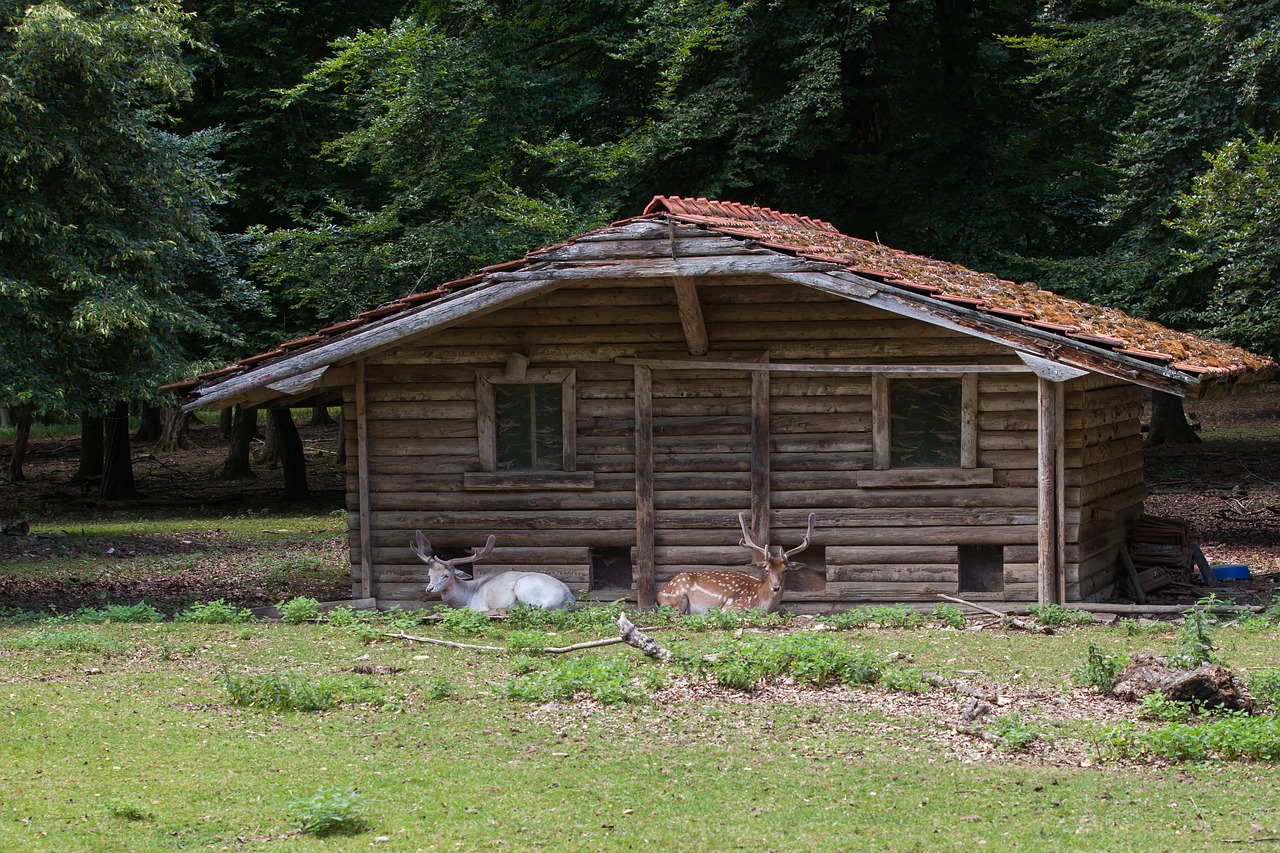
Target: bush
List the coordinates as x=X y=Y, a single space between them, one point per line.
x=528 y=640
x=295 y=611
x=214 y=613
x=327 y=812
x=904 y=680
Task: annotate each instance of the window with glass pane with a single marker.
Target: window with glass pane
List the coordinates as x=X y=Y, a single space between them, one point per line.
x=924 y=422
x=529 y=426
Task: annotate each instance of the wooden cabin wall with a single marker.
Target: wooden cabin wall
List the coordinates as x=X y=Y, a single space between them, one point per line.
x=881 y=542
x=1106 y=488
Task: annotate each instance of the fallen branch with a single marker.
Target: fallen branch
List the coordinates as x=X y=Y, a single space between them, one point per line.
x=1005 y=618
x=965 y=725
x=959 y=687
x=633 y=636
x=549 y=650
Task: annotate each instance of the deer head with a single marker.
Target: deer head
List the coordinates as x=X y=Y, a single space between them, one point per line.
x=442 y=573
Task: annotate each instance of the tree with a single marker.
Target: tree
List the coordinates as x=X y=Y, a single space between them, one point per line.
x=105 y=207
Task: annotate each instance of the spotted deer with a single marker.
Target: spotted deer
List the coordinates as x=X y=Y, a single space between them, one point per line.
x=698 y=592
x=496 y=592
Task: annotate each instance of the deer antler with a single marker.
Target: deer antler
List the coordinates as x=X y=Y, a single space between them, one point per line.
x=421 y=547
x=746 y=538
x=805 y=543
x=475 y=556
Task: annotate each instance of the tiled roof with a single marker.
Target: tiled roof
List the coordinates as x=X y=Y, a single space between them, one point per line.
x=813 y=239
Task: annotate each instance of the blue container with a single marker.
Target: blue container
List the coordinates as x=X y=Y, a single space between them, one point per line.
x=1230 y=572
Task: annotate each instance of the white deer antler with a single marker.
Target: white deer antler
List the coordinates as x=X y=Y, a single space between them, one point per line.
x=805 y=543
x=747 y=542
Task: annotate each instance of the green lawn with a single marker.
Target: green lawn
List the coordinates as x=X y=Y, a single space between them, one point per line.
x=125 y=736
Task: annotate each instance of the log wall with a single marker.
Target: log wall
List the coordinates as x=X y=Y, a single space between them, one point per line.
x=878 y=538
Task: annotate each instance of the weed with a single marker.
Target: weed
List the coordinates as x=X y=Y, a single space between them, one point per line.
x=523 y=616
x=76 y=639
x=404 y=619
x=884 y=615
x=949 y=615
x=1135 y=628
x=126 y=810
x=607 y=679
x=297 y=610
x=277 y=692
x=19 y=616
x=903 y=680
x=438 y=687
x=1195 y=641
x=857 y=617
x=808 y=657
x=464 y=622
x=528 y=640
x=1156 y=706
x=1264 y=686
x=327 y=812
x=140 y=613
x=342 y=616
x=214 y=613
x=1228 y=737
x=1099 y=670
x=1055 y=615
x=1015 y=733
x=589 y=619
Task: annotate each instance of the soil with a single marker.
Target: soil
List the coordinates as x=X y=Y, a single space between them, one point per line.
x=1227 y=490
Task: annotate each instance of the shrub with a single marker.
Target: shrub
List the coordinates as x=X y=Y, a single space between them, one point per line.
x=342 y=616
x=1227 y=737
x=1099 y=671
x=295 y=611
x=214 y=613
x=327 y=812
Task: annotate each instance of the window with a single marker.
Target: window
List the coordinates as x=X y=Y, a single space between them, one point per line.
x=528 y=427
x=924 y=422
x=525 y=431
x=981 y=568
x=611 y=568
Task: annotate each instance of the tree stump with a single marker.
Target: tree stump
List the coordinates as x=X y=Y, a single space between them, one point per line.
x=1208 y=685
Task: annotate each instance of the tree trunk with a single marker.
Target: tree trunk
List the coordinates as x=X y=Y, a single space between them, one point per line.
x=237 y=465
x=117 y=469
x=175 y=430
x=320 y=416
x=149 y=427
x=289 y=447
x=270 y=453
x=92 y=451
x=1169 y=421
x=21 y=440
x=226 y=423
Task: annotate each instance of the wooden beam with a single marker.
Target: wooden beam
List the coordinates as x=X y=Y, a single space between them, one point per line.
x=760 y=497
x=691 y=319
x=905 y=371
x=881 y=440
x=1050 y=521
x=645 y=592
x=367 y=585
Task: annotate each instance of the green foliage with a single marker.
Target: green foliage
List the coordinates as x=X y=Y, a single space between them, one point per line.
x=1099 y=670
x=884 y=615
x=609 y=680
x=215 y=613
x=438 y=687
x=75 y=639
x=1264 y=686
x=140 y=613
x=463 y=622
x=809 y=657
x=949 y=615
x=1228 y=737
x=909 y=679
x=1056 y=616
x=299 y=609
x=278 y=692
x=1195 y=640
x=1015 y=733
x=126 y=810
x=343 y=616
x=1156 y=706
x=529 y=640
x=328 y=812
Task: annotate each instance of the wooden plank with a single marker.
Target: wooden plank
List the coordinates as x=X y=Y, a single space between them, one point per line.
x=908 y=371
x=368 y=588
x=644 y=499
x=881 y=436
x=925 y=477
x=1047 y=467
x=692 y=321
x=760 y=438
x=969 y=421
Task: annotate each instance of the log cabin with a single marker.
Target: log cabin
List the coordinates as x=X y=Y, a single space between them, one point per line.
x=607 y=407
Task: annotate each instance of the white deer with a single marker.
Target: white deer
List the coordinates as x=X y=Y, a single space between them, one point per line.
x=497 y=592
x=699 y=592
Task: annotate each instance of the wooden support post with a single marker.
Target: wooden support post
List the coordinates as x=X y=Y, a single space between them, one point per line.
x=1051 y=498
x=691 y=319
x=367 y=585
x=760 y=497
x=645 y=592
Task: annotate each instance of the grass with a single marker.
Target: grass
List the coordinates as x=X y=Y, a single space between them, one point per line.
x=133 y=740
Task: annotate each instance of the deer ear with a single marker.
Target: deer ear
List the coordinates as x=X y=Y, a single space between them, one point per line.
x=795 y=567
x=461 y=575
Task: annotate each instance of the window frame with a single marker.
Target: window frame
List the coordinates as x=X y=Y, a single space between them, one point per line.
x=489 y=476
x=882 y=424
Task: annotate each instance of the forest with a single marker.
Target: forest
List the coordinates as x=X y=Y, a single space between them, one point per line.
x=188 y=183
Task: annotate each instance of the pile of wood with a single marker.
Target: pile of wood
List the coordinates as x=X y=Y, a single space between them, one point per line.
x=1160 y=553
